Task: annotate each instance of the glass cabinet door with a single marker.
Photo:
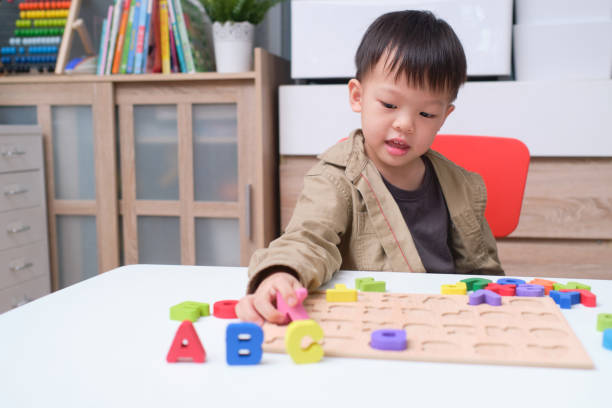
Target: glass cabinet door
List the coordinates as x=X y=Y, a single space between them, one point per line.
x=156 y=168
x=215 y=164
x=74 y=179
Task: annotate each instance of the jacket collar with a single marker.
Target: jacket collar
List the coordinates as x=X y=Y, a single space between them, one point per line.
x=348 y=153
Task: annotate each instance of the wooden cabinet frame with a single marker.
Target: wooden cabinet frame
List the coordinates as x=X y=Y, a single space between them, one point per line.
x=255 y=94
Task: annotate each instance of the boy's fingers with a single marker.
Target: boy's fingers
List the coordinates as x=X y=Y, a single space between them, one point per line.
x=285 y=287
x=246 y=311
x=264 y=307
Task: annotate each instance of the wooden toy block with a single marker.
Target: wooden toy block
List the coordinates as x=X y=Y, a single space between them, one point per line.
x=530 y=290
x=296 y=312
x=484 y=296
x=503 y=290
x=604 y=321
x=388 y=339
x=189 y=310
x=587 y=298
x=341 y=294
x=510 y=281
x=565 y=300
x=243 y=343
x=459 y=288
x=577 y=285
x=294 y=335
x=186 y=345
x=476 y=283
x=524 y=331
x=376 y=286
x=359 y=281
x=225 y=309
x=607 y=339
x=548 y=284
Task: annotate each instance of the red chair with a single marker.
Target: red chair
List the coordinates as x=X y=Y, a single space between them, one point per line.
x=503 y=163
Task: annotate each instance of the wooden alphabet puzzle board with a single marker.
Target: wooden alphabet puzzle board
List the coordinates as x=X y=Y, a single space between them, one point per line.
x=529 y=331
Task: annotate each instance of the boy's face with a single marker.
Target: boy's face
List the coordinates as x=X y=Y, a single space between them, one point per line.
x=399 y=121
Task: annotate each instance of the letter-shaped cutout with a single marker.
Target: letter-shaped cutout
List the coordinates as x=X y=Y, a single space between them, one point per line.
x=186 y=345
x=243 y=343
x=296 y=331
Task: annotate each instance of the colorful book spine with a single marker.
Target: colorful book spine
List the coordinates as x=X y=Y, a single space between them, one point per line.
x=177 y=39
x=104 y=41
x=121 y=36
x=187 y=52
x=139 y=15
x=155 y=60
x=113 y=36
x=142 y=45
x=174 y=64
x=128 y=37
x=164 y=37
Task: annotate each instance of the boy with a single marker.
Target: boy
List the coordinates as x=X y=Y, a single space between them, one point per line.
x=381 y=200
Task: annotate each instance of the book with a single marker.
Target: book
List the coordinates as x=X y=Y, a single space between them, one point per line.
x=137 y=33
x=200 y=36
x=113 y=36
x=185 y=43
x=104 y=41
x=120 y=37
x=128 y=37
x=142 y=45
x=177 y=40
x=164 y=32
x=154 y=63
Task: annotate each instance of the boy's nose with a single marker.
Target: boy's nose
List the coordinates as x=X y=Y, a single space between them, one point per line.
x=403 y=124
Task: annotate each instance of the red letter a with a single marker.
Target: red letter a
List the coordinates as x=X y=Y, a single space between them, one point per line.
x=186 y=345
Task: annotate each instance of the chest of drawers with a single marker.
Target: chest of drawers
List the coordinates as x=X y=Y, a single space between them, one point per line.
x=24 y=254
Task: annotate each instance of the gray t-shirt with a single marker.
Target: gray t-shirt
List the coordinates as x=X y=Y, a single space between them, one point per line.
x=426 y=215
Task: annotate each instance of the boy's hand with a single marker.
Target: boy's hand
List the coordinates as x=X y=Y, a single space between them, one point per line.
x=259 y=307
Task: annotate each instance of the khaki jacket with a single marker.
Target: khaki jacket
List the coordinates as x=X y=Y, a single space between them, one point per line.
x=346 y=218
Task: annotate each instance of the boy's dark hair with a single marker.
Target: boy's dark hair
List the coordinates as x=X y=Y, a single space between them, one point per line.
x=417 y=45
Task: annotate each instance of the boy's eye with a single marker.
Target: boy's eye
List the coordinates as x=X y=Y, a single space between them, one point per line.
x=426 y=115
x=388 y=105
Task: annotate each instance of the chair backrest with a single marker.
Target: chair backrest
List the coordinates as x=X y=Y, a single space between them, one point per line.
x=503 y=163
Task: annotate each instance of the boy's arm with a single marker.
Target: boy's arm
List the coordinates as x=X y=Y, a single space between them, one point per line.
x=309 y=247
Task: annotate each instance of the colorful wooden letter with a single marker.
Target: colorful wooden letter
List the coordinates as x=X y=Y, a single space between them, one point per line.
x=607 y=339
x=476 y=283
x=243 y=343
x=504 y=290
x=510 y=281
x=189 y=310
x=548 y=284
x=296 y=312
x=225 y=309
x=484 y=295
x=375 y=286
x=360 y=281
x=296 y=331
x=341 y=294
x=587 y=298
x=604 y=321
x=565 y=299
x=459 y=288
x=388 y=339
x=530 y=290
x=186 y=345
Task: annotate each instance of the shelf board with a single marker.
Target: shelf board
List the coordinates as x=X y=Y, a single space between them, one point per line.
x=76 y=78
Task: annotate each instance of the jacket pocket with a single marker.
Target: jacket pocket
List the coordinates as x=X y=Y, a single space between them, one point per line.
x=364 y=226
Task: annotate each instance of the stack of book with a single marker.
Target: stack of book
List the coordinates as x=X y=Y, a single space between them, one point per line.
x=144 y=36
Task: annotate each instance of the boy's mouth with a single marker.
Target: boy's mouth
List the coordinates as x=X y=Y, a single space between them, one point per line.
x=397 y=147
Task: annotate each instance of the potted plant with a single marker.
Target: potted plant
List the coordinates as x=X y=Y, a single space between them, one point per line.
x=233 y=26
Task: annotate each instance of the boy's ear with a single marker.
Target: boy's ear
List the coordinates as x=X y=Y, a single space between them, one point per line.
x=450 y=108
x=355 y=94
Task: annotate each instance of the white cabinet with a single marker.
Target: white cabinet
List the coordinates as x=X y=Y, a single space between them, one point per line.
x=24 y=254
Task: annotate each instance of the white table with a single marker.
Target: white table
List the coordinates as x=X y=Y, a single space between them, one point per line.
x=103 y=343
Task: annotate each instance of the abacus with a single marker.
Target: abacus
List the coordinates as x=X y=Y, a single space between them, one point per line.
x=36 y=37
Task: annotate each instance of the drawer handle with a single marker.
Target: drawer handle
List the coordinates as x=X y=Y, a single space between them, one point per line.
x=15 y=190
x=13 y=152
x=21 y=266
x=15 y=230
